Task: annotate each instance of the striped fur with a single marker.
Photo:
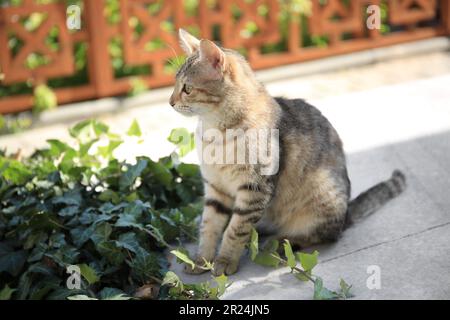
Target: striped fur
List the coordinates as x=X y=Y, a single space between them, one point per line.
x=308 y=199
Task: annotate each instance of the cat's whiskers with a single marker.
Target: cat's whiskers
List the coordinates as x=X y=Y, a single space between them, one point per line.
x=178 y=63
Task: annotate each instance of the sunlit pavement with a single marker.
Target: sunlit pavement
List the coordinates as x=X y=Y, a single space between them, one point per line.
x=385 y=124
x=405 y=126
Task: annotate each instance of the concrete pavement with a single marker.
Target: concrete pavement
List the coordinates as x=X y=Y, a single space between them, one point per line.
x=406 y=126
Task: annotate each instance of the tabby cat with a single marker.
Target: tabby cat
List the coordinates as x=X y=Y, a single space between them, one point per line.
x=306 y=201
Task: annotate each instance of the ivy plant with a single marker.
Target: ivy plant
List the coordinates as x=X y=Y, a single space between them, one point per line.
x=270 y=256
x=74 y=204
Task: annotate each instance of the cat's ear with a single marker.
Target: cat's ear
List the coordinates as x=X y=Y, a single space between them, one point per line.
x=213 y=56
x=188 y=42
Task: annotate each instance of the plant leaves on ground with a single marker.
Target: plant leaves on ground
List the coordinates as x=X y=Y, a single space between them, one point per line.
x=74 y=203
x=269 y=256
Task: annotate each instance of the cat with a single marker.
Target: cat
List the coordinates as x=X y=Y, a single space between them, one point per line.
x=306 y=200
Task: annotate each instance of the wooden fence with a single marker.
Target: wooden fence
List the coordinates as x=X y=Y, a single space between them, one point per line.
x=269 y=32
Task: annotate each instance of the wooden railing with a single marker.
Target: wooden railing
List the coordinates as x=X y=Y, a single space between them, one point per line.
x=269 y=32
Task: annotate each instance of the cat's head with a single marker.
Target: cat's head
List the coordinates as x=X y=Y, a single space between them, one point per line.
x=209 y=78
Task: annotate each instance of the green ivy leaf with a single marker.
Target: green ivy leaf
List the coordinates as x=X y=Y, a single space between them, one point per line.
x=80 y=128
x=88 y=273
x=85 y=147
x=134 y=129
x=88 y=130
x=322 y=293
x=144 y=265
x=6 y=293
x=222 y=282
x=289 y=254
x=178 y=136
x=101 y=233
x=126 y=220
x=268 y=256
x=254 y=244
x=14 y=171
x=268 y=259
x=184 y=257
x=345 y=289
x=161 y=173
x=157 y=234
x=308 y=261
x=111 y=252
x=11 y=261
x=188 y=170
x=81 y=234
x=128 y=177
x=184 y=140
x=64 y=255
x=129 y=241
x=109 y=195
x=99 y=127
x=107 y=151
x=57 y=147
x=172 y=279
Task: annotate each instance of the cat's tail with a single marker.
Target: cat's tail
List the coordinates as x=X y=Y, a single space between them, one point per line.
x=371 y=200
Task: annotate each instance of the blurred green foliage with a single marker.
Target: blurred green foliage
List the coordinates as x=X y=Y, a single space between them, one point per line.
x=14 y=124
x=44 y=99
x=74 y=203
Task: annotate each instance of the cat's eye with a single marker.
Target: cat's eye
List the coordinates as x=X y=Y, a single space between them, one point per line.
x=187 y=89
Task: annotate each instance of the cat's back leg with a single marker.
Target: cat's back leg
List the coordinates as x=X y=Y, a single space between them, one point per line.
x=320 y=215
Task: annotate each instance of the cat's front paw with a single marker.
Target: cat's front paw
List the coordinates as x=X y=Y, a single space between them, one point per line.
x=223 y=265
